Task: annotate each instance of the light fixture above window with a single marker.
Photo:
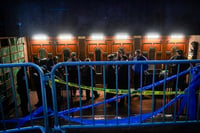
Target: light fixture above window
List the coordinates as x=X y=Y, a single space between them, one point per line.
x=65 y=37
x=176 y=36
x=97 y=36
x=40 y=37
x=153 y=35
x=121 y=36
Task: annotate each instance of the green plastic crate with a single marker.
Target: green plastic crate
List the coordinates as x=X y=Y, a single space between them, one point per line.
x=6 y=59
x=12 y=41
x=20 y=47
x=16 y=69
x=13 y=49
x=15 y=80
x=5 y=70
x=21 y=60
x=16 y=61
x=17 y=55
x=20 y=40
x=21 y=54
x=5 y=51
x=14 y=57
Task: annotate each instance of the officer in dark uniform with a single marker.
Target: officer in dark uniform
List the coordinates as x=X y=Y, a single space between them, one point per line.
x=137 y=69
x=110 y=77
x=119 y=55
x=73 y=72
x=36 y=79
x=22 y=91
x=55 y=59
x=86 y=79
x=123 y=77
x=174 y=69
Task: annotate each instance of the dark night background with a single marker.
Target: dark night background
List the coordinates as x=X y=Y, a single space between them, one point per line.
x=82 y=17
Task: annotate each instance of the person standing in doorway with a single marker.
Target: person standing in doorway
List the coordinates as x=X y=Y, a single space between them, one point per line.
x=139 y=69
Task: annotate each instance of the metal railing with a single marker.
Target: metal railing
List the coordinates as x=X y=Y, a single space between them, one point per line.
x=15 y=122
x=156 y=101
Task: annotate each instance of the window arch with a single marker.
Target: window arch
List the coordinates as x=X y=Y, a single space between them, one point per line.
x=194 y=49
x=98 y=58
x=42 y=53
x=66 y=54
x=152 y=52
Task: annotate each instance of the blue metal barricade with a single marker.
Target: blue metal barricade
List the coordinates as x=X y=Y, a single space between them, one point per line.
x=18 y=120
x=142 y=106
x=178 y=100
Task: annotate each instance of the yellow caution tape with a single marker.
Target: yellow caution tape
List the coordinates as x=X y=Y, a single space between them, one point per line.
x=120 y=91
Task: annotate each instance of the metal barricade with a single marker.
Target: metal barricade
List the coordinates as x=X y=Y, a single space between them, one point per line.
x=109 y=112
x=21 y=120
x=141 y=106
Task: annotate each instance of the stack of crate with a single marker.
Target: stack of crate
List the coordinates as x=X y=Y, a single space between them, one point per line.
x=11 y=51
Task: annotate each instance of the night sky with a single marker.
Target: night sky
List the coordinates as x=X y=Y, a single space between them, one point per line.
x=83 y=17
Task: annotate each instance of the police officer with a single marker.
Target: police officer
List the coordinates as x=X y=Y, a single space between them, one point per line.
x=137 y=69
x=22 y=91
x=86 y=79
x=36 y=79
x=123 y=77
x=110 y=77
x=73 y=72
x=174 y=69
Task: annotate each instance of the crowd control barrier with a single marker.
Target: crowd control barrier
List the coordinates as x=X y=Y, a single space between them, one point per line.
x=15 y=122
x=154 y=102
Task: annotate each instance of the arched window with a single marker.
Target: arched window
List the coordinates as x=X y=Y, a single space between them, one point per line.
x=66 y=54
x=98 y=58
x=194 y=50
x=152 y=52
x=42 y=53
